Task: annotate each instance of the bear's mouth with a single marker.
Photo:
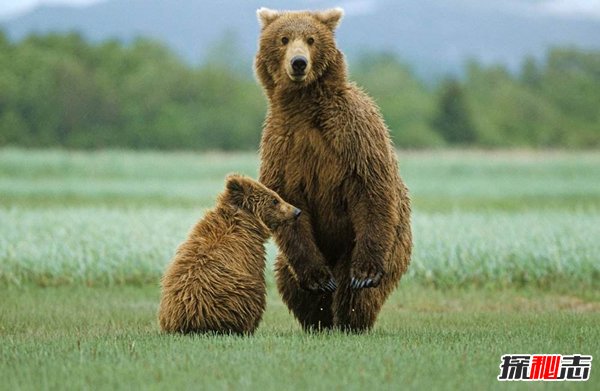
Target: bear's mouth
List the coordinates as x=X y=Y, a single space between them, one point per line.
x=274 y=226
x=297 y=76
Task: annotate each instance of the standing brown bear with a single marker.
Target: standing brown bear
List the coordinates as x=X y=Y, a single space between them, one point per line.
x=326 y=149
x=215 y=282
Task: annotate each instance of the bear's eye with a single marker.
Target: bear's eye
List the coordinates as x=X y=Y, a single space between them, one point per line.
x=285 y=40
x=310 y=40
x=275 y=201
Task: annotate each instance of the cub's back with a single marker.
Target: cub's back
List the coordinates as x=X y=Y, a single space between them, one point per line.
x=215 y=282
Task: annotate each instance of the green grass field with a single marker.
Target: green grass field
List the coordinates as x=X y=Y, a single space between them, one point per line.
x=506 y=260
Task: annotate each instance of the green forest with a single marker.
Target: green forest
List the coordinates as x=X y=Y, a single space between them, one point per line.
x=59 y=90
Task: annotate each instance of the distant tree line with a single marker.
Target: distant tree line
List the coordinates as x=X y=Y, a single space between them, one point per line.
x=62 y=91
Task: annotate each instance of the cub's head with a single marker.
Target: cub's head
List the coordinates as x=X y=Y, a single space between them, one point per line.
x=296 y=47
x=264 y=203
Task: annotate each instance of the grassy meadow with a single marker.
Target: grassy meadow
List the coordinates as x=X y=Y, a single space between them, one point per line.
x=506 y=260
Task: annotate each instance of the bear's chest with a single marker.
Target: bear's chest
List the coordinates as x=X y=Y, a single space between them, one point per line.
x=311 y=164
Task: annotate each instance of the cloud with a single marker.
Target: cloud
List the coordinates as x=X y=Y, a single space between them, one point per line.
x=588 y=9
x=359 y=7
x=9 y=7
x=14 y=7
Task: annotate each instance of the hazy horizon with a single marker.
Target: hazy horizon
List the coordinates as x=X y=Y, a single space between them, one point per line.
x=586 y=9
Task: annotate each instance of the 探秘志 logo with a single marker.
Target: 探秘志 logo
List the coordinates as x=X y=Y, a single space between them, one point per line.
x=545 y=367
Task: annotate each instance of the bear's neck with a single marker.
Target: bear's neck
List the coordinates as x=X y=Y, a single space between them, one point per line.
x=237 y=218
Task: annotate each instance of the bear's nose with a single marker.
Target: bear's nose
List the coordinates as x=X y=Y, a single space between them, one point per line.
x=297 y=212
x=299 y=63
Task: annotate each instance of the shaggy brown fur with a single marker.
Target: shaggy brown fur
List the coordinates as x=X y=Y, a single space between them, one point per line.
x=215 y=282
x=326 y=149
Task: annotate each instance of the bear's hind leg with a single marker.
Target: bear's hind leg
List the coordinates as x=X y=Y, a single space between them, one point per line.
x=312 y=309
x=355 y=310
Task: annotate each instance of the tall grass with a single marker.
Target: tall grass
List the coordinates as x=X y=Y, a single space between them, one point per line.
x=116 y=217
x=102 y=246
x=438 y=181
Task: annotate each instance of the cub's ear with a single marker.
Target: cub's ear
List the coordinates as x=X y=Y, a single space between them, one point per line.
x=235 y=183
x=236 y=189
x=266 y=16
x=331 y=17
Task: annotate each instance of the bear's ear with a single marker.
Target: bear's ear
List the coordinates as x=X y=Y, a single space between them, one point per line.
x=234 y=183
x=236 y=189
x=331 y=17
x=266 y=16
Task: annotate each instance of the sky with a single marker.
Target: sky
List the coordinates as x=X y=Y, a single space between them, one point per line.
x=14 y=7
x=565 y=8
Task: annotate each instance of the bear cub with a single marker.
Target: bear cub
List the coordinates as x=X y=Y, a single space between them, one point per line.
x=215 y=282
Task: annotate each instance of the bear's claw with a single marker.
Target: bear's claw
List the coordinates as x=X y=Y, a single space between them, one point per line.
x=357 y=283
x=318 y=279
x=330 y=286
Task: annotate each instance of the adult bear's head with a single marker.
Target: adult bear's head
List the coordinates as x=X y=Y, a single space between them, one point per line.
x=296 y=48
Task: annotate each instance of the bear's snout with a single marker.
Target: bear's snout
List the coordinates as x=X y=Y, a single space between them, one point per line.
x=297 y=60
x=297 y=212
x=299 y=64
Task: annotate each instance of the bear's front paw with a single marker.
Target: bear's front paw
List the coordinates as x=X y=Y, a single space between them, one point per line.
x=366 y=275
x=317 y=279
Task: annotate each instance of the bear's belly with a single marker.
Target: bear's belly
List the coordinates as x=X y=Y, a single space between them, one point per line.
x=313 y=171
x=334 y=235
